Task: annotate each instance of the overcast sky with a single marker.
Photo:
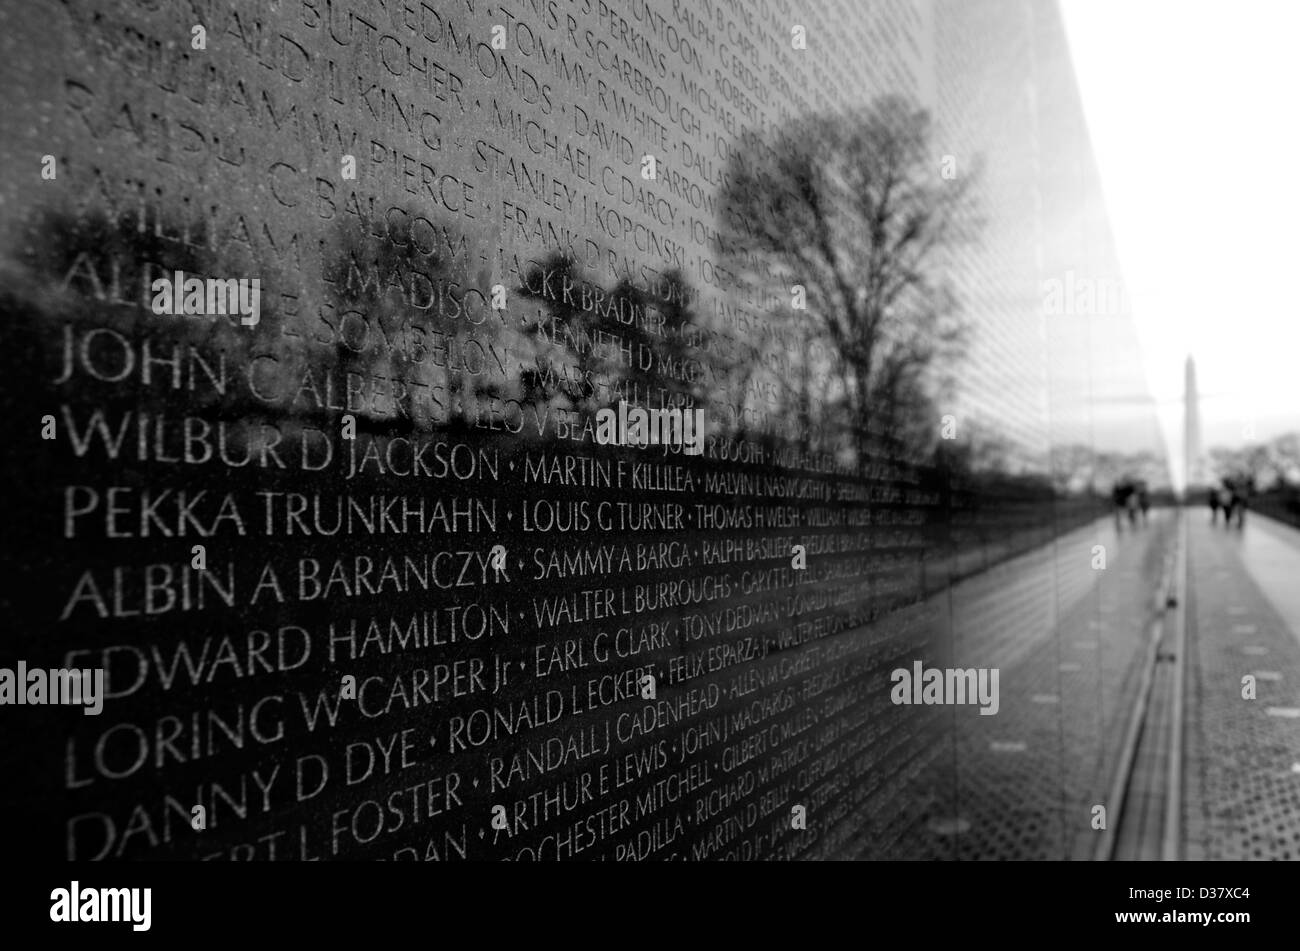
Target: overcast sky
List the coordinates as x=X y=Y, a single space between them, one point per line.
x=1194 y=112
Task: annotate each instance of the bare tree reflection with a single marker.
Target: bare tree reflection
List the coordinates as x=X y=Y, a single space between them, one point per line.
x=653 y=352
x=855 y=210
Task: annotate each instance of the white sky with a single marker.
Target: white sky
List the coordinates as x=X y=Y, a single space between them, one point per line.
x=1194 y=113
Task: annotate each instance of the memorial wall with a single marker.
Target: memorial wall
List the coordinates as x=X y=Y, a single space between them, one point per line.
x=531 y=430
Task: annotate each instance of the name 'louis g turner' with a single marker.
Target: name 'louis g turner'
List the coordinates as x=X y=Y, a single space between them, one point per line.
x=640 y=427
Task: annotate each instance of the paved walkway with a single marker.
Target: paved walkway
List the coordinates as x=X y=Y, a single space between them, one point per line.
x=1242 y=768
x=1067 y=640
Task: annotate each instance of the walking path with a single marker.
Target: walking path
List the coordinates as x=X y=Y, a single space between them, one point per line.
x=1068 y=641
x=1242 y=770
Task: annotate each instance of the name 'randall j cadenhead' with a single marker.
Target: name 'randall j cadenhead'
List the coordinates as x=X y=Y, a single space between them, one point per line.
x=641 y=427
x=950 y=685
x=58 y=686
x=191 y=295
x=103 y=904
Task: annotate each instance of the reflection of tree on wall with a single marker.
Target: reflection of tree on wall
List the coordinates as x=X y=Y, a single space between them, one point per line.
x=672 y=354
x=381 y=328
x=855 y=209
x=381 y=282
x=92 y=269
x=659 y=356
x=378 y=332
x=564 y=374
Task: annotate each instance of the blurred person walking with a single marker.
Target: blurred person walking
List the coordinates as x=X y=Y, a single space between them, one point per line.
x=1124 y=498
